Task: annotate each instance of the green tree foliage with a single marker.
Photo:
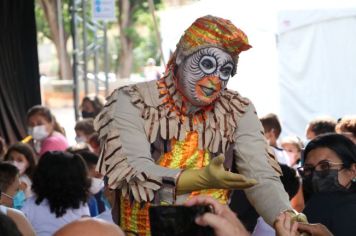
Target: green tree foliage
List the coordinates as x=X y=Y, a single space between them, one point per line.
x=146 y=44
x=140 y=32
x=42 y=24
x=137 y=35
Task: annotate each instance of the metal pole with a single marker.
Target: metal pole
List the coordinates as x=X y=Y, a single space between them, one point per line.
x=96 y=80
x=75 y=58
x=106 y=65
x=86 y=89
x=61 y=36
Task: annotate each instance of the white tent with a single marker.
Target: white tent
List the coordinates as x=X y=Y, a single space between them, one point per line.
x=317 y=64
x=303 y=60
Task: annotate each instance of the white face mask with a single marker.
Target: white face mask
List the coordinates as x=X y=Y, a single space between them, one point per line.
x=96 y=185
x=80 y=139
x=38 y=132
x=20 y=165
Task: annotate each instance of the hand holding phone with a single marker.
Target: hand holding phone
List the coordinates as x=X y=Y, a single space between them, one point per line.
x=178 y=220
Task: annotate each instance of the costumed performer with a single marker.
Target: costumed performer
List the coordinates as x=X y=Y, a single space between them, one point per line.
x=185 y=134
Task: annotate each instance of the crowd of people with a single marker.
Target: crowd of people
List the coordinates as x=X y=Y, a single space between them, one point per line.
x=47 y=186
x=187 y=140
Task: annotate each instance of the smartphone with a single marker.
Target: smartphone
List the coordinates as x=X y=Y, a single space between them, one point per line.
x=178 y=221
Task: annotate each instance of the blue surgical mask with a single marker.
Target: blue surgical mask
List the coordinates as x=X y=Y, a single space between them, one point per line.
x=19 y=200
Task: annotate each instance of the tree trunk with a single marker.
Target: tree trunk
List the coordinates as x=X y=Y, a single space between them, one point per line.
x=50 y=10
x=126 y=48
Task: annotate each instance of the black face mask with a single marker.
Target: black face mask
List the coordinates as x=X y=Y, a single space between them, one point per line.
x=326 y=182
x=86 y=114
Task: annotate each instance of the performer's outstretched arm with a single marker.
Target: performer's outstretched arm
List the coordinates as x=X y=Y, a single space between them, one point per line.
x=252 y=160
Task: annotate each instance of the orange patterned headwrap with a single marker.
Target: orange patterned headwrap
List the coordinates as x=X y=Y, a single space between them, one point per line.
x=211 y=31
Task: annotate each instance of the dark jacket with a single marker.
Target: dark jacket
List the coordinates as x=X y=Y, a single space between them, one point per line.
x=337 y=211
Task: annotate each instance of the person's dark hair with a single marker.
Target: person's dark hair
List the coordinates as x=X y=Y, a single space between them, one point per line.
x=90 y=158
x=77 y=148
x=344 y=148
x=271 y=121
x=29 y=154
x=289 y=180
x=8 y=226
x=47 y=114
x=8 y=173
x=322 y=126
x=85 y=125
x=62 y=179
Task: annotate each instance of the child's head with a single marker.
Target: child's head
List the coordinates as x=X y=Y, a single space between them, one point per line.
x=62 y=179
x=272 y=128
x=91 y=159
x=9 y=183
x=42 y=123
x=22 y=156
x=84 y=129
x=293 y=146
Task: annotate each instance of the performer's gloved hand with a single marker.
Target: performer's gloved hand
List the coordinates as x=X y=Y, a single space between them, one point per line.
x=296 y=216
x=293 y=216
x=299 y=217
x=213 y=176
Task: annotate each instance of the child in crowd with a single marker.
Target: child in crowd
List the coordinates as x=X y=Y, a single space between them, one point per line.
x=61 y=186
x=22 y=156
x=9 y=185
x=11 y=195
x=85 y=133
x=293 y=146
x=97 y=202
x=272 y=129
x=48 y=135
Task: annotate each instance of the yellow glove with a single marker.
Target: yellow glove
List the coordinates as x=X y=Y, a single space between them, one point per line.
x=296 y=216
x=213 y=176
x=299 y=217
x=285 y=223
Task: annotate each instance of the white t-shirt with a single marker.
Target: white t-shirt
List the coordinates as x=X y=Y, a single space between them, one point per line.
x=106 y=215
x=28 y=192
x=46 y=223
x=3 y=209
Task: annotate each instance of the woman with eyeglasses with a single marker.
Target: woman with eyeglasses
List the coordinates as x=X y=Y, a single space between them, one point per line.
x=329 y=175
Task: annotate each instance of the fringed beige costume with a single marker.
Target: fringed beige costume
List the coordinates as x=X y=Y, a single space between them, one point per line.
x=148 y=139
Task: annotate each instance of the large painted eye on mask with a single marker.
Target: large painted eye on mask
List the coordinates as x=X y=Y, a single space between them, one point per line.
x=208 y=64
x=225 y=71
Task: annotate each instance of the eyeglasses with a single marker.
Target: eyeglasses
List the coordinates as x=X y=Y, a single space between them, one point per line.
x=323 y=166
